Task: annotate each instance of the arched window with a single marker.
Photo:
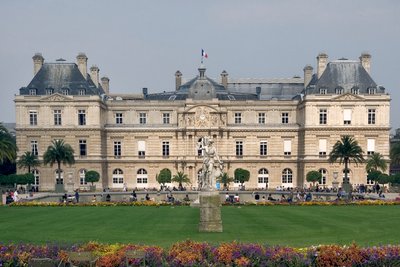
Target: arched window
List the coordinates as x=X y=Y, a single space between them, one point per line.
x=287 y=177
x=263 y=178
x=118 y=178
x=141 y=177
x=324 y=174
x=61 y=179
x=36 y=175
x=82 y=180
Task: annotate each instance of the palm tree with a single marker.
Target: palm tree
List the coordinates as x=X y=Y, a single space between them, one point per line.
x=395 y=153
x=59 y=152
x=225 y=180
x=8 y=148
x=28 y=160
x=181 y=178
x=346 y=150
x=376 y=162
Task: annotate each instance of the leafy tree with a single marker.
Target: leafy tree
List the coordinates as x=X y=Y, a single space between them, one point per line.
x=164 y=177
x=92 y=177
x=384 y=178
x=28 y=160
x=8 y=147
x=8 y=167
x=242 y=175
x=59 y=152
x=374 y=175
x=396 y=179
x=181 y=178
x=346 y=150
x=225 y=180
x=313 y=176
x=395 y=153
x=376 y=162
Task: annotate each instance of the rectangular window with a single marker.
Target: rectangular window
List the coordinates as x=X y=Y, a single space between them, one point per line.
x=371 y=116
x=239 y=148
x=82 y=148
x=371 y=91
x=322 y=147
x=339 y=91
x=49 y=91
x=117 y=149
x=32 y=91
x=65 y=91
x=238 y=117
x=285 y=117
x=347 y=116
x=323 y=91
x=141 y=149
x=57 y=117
x=33 y=117
x=34 y=148
x=287 y=147
x=263 y=148
x=142 y=118
x=118 y=118
x=322 y=116
x=165 y=149
x=81 y=117
x=370 y=146
x=261 y=118
x=82 y=92
x=166 y=118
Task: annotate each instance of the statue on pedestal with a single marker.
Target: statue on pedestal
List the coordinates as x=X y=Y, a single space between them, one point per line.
x=212 y=165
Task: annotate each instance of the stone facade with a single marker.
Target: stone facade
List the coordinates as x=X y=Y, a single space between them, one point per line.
x=128 y=139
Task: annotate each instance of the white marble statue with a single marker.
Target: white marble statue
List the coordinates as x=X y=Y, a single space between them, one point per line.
x=212 y=165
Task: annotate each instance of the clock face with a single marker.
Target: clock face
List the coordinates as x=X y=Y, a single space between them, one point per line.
x=202 y=117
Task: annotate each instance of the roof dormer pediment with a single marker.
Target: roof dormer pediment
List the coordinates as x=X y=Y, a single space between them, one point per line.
x=56 y=98
x=348 y=97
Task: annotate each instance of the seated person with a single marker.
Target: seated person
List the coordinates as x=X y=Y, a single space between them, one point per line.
x=147 y=197
x=270 y=198
x=236 y=198
x=186 y=198
x=134 y=196
x=108 y=198
x=257 y=197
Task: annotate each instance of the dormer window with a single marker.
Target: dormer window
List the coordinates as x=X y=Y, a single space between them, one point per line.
x=82 y=91
x=32 y=91
x=371 y=91
x=339 y=90
x=172 y=97
x=49 y=91
x=65 y=91
x=323 y=91
x=231 y=97
x=355 y=90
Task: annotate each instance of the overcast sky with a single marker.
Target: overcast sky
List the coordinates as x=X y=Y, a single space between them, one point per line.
x=142 y=43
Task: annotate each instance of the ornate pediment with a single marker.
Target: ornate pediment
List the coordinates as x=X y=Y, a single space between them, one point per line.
x=348 y=97
x=201 y=117
x=56 y=98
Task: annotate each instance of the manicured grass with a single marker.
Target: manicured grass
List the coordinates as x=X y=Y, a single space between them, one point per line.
x=163 y=226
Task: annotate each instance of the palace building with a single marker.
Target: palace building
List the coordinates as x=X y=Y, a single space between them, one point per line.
x=278 y=129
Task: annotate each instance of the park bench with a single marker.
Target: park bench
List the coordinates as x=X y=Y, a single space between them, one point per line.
x=82 y=257
x=135 y=254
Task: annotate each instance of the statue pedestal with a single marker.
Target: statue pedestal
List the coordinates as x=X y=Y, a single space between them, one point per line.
x=70 y=187
x=348 y=188
x=210 y=212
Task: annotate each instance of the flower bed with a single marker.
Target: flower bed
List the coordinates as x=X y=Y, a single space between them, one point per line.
x=190 y=253
x=163 y=203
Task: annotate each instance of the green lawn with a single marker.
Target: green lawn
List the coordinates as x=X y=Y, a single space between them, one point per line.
x=285 y=225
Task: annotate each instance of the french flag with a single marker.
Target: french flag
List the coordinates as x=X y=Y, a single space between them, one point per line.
x=203 y=53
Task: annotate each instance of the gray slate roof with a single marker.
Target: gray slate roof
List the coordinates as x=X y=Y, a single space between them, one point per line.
x=60 y=76
x=346 y=74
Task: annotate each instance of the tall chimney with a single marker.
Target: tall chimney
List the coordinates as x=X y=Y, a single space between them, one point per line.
x=82 y=64
x=37 y=62
x=105 y=83
x=365 y=60
x=308 y=72
x=178 y=80
x=224 y=79
x=94 y=75
x=322 y=60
